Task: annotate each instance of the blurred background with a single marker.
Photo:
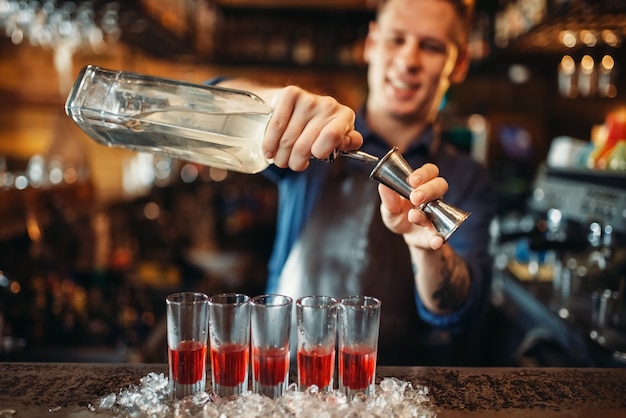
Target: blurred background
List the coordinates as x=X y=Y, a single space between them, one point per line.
x=92 y=239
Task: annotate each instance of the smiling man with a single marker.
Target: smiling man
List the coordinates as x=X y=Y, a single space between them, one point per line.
x=415 y=50
x=338 y=233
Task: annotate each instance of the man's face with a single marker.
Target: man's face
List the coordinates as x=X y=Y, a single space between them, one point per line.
x=413 y=57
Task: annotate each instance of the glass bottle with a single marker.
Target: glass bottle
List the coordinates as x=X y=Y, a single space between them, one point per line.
x=205 y=124
x=615 y=132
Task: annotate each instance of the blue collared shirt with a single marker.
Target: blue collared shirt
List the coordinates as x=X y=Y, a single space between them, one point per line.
x=470 y=188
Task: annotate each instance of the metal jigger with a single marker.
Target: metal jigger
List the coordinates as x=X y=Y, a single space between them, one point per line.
x=392 y=170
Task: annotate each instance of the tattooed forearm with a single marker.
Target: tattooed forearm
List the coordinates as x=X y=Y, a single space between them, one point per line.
x=455 y=282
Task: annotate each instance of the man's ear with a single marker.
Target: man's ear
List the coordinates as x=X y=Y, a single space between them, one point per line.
x=461 y=67
x=367 y=45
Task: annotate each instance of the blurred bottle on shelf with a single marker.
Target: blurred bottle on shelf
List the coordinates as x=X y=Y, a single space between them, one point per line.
x=610 y=143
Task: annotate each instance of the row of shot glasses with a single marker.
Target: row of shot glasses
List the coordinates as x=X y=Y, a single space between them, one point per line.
x=255 y=333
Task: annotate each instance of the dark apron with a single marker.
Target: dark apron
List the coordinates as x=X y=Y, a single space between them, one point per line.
x=338 y=255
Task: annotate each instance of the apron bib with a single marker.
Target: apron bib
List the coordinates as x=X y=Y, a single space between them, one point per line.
x=340 y=256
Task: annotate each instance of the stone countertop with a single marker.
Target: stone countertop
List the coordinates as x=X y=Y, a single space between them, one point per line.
x=67 y=389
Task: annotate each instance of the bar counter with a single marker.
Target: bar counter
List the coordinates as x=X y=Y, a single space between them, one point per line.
x=67 y=389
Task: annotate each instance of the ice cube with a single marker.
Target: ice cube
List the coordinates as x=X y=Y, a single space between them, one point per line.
x=392 y=398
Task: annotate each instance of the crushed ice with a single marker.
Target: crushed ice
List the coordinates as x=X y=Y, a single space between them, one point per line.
x=150 y=398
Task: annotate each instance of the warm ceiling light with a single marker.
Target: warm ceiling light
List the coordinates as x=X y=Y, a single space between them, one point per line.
x=568 y=38
x=610 y=38
x=608 y=63
x=588 y=38
x=587 y=64
x=568 y=65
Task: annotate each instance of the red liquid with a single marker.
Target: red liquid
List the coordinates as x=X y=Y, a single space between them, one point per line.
x=188 y=362
x=270 y=365
x=316 y=367
x=229 y=364
x=357 y=366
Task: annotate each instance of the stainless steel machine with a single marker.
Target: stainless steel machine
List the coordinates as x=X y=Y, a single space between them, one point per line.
x=561 y=268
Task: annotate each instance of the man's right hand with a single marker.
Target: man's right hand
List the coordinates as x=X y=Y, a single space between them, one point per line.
x=306 y=125
x=303 y=124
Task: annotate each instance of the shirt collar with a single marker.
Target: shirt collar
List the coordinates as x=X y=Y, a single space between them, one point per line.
x=376 y=145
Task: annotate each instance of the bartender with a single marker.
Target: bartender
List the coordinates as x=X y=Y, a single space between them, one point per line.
x=338 y=233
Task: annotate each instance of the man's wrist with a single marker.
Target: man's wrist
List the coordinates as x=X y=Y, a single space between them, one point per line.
x=418 y=254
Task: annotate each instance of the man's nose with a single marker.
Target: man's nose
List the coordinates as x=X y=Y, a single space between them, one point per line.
x=409 y=57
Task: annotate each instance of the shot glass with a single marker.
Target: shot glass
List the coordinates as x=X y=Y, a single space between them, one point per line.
x=229 y=331
x=316 y=318
x=359 y=322
x=187 y=330
x=270 y=325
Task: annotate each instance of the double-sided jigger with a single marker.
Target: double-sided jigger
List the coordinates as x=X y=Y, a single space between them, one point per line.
x=393 y=171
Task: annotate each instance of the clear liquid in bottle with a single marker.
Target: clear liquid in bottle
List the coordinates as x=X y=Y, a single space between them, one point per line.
x=204 y=124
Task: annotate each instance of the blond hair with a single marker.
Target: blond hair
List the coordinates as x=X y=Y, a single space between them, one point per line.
x=464 y=10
